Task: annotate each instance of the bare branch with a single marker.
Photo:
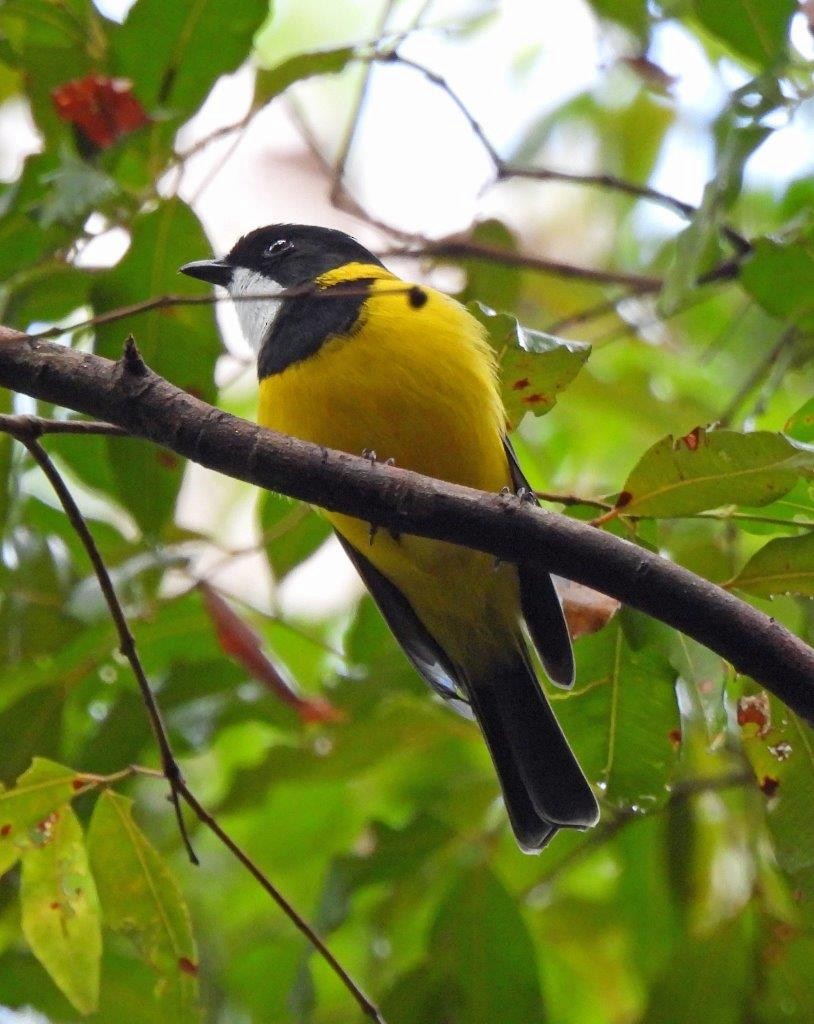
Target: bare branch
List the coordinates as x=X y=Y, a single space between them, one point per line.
x=129 y=394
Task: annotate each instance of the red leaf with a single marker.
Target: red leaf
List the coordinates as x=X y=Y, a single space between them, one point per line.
x=244 y=646
x=103 y=109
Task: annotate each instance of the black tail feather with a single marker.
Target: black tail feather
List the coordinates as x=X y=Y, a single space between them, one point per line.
x=543 y=786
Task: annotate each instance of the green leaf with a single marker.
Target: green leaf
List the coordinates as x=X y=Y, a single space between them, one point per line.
x=781 y=752
x=481 y=942
x=800 y=426
x=141 y=899
x=707 y=469
x=271 y=82
x=180 y=343
x=60 y=41
x=25 y=810
x=75 y=189
x=60 y=908
x=47 y=294
x=780 y=276
x=622 y=716
x=175 y=52
x=754 y=29
x=783 y=566
x=486 y=281
x=630 y=13
x=534 y=366
x=293 y=531
x=698 y=246
x=709 y=978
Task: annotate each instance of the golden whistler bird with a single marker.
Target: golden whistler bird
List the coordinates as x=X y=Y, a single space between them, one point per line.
x=361 y=361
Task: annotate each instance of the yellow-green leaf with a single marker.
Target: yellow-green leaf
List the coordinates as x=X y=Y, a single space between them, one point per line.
x=60 y=908
x=800 y=426
x=24 y=810
x=141 y=899
x=708 y=469
x=534 y=366
x=783 y=566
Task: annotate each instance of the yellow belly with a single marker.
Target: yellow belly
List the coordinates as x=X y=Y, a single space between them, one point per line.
x=417 y=386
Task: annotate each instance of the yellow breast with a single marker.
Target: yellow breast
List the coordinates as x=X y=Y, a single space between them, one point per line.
x=415 y=384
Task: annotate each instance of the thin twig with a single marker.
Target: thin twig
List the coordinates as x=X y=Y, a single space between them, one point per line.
x=127 y=644
x=337 y=186
x=467 y=248
x=36 y=426
x=311 y=291
x=17 y=427
x=506 y=169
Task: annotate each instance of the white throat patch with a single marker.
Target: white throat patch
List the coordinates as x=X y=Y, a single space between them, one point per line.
x=256 y=315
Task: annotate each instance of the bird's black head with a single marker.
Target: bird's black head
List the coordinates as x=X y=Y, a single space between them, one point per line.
x=287 y=254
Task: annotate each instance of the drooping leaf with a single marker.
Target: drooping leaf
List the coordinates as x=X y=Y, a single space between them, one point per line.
x=60 y=908
x=180 y=343
x=241 y=643
x=783 y=566
x=141 y=900
x=534 y=366
x=707 y=469
x=752 y=29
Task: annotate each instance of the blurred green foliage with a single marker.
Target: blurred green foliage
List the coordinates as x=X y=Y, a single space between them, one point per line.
x=694 y=898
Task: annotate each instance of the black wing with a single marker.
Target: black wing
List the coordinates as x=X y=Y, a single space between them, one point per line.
x=424 y=652
x=541 y=605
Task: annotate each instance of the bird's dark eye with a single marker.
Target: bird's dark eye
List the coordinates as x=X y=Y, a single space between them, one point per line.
x=276 y=248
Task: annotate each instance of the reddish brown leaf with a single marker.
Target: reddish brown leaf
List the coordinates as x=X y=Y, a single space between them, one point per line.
x=755 y=711
x=187 y=966
x=102 y=108
x=244 y=646
x=690 y=440
x=586 y=611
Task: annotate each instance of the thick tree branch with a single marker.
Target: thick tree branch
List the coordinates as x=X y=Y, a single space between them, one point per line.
x=130 y=395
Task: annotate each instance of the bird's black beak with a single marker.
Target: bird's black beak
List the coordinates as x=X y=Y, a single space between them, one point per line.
x=213 y=271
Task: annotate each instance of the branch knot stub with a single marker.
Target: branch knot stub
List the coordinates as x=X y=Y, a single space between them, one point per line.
x=131 y=361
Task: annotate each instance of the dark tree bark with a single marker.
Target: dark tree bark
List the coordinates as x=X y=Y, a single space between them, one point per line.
x=130 y=395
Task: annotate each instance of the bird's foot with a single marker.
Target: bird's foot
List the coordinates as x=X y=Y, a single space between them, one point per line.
x=370 y=455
